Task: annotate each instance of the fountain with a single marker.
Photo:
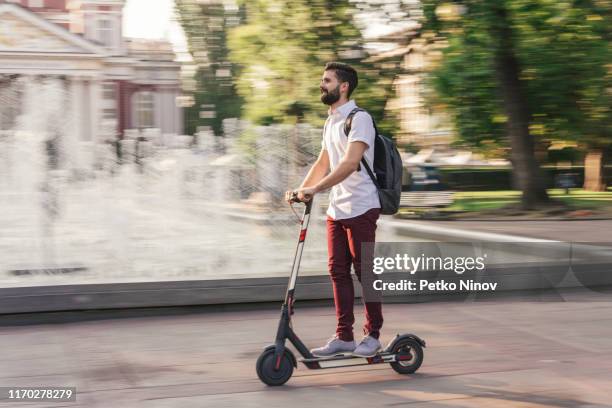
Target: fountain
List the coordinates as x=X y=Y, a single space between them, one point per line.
x=152 y=207
x=158 y=215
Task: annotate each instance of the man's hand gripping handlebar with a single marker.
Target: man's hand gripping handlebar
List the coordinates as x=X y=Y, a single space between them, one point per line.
x=298 y=196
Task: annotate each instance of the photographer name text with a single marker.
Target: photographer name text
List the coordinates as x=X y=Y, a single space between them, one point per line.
x=440 y=285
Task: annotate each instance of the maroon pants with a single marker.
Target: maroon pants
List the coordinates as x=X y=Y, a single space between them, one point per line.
x=344 y=239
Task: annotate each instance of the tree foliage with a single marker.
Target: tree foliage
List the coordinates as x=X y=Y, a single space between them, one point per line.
x=564 y=52
x=282 y=50
x=206 y=25
x=542 y=62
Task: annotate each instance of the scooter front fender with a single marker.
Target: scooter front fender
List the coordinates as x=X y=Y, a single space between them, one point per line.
x=401 y=337
x=289 y=352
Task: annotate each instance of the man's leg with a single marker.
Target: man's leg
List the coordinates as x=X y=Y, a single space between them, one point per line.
x=362 y=229
x=339 y=266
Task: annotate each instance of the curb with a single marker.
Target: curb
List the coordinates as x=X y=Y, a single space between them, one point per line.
x=156 y=294
x=444 y=233
x=505 y=219
x=511 y=278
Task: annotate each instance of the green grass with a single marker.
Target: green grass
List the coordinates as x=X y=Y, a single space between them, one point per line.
x=488 y=200
x=584 y=199
x=474 y=201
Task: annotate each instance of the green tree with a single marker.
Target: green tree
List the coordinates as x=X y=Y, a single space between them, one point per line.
x=282 y=50
x=565 y=47
x=521 y=72
x=483 y=50
x=206 y=25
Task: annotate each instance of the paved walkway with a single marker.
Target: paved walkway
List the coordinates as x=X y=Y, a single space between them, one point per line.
x=497 y=354
x=569 y=231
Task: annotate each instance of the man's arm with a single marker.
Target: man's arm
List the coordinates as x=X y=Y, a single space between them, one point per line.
x=348 y=164
x=316 y=173
x=318 y=170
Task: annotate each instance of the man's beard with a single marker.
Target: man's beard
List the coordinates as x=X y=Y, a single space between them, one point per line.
x=331 y=97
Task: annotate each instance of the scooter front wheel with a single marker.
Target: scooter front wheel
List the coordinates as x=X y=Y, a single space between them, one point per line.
x=266 y=368
x=409 y=356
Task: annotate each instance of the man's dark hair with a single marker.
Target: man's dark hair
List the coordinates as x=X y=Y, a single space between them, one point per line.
x=344 y=73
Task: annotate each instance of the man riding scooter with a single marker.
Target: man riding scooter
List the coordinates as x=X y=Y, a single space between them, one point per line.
x=354 y=207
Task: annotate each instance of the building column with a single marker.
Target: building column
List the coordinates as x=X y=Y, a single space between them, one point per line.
x=76 y=133
x=178 y=118
x=171 y=115
x=126 y=89
x=95 y=120
x=95 y=97
x=86 y=139
x=158 y=111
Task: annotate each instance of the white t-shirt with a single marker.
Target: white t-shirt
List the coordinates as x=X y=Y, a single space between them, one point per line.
x=357 y=193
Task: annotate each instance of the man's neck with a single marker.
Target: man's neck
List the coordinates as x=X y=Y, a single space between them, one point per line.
x=333 y=107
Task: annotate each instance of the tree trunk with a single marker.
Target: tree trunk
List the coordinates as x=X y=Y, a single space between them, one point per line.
x=527 y=173
x=593 y=171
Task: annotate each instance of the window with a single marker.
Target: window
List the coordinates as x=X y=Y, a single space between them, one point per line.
x=144 y=109
x=109 y=100
x=109 y=113
x=105 y=32
x=108 y=90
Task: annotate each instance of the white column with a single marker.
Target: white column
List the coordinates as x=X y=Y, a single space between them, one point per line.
x=85 y=140
x=158 y=111
x=178 y=118
x=95 y=99
x=95 y=114
x=169 y=112
x=75 y=135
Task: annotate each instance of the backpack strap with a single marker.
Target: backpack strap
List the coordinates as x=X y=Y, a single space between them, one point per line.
x=348 y=123
x=347 y=129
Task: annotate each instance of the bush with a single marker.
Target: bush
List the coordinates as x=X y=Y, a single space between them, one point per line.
x=487 y=179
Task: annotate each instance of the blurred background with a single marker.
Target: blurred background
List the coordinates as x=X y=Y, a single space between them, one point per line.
x=153 y=140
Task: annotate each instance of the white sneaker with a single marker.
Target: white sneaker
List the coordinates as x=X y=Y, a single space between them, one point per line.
x=368 y=347
x=334 y=346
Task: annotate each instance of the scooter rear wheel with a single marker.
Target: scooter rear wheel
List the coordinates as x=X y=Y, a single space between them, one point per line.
x=266 y=368
x=411 y=353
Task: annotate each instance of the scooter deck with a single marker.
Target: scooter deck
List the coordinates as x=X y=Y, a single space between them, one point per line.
x=345 y=356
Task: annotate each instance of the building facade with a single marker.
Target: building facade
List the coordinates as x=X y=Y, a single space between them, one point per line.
x=113 y=83
x=422 y=123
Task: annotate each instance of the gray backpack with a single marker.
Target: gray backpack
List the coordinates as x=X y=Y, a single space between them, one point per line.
x=387 y=175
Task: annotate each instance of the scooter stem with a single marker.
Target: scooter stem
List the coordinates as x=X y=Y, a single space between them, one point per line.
x=298 y=252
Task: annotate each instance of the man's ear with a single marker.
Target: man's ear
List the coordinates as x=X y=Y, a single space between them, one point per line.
x=345 y=87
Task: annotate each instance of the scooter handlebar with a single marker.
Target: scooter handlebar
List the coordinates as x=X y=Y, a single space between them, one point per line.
x=294 y=197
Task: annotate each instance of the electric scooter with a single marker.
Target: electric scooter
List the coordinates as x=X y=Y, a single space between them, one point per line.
x=276 y=363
